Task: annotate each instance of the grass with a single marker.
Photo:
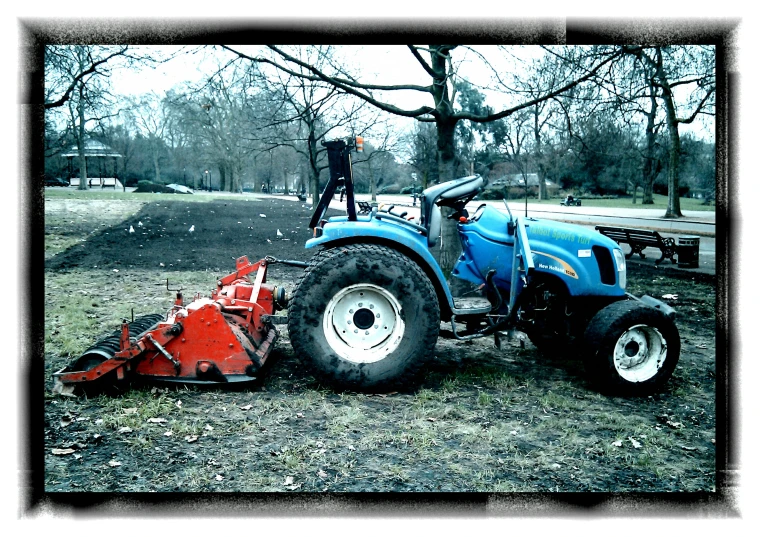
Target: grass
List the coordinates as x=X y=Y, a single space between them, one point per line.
x=115 y=195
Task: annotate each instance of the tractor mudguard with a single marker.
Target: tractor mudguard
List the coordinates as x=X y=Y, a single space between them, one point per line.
x=406 y=238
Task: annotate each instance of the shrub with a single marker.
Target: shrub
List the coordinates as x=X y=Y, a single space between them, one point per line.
x=491 y=194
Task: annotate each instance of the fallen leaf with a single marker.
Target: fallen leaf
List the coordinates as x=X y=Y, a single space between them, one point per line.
x=636 y=443
x=556 y=466
x=66 y=420
x=262 y=215
x=299 y=414
x=191 y=438
x=670 y=296
x=178 y=404
x=59 y=451
x=132 y=410
x=219 y=477
x=618 y=443
x=168 y=433
x=114 y=464
x=157 y=420
x=294 y=487
x=208 y=427
x=351 y=448
x=688 y=448
x=432 y=419
x=322 y=474
x=288 y=480
x=246 y=407
x=124 y=430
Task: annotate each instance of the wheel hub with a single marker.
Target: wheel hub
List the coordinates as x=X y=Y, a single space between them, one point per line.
x=364 y=319
x=639 y=353
x=362 y=323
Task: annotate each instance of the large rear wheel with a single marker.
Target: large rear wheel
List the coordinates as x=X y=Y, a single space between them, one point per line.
x=364 y=317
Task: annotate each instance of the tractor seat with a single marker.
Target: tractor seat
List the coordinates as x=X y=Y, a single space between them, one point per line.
x=447 y=194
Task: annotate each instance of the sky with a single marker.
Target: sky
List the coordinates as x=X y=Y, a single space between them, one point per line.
x=381 y=64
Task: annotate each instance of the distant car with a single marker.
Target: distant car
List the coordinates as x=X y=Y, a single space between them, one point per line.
x=180 y=189
x=569 y=200
x=55 y=181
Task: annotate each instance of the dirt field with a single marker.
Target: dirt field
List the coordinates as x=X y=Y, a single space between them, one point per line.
x=484 y=419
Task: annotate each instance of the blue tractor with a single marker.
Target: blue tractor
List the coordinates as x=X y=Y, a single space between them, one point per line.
x=369 y=307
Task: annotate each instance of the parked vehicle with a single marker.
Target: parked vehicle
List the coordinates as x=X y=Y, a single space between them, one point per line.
x=570 y=200
x=55 y=181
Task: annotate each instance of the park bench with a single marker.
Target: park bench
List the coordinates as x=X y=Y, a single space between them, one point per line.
x=638 y=239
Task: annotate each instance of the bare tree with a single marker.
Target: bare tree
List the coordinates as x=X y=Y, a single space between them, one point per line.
x=685 y=78
x=318 y=109
x=440 y=67
x=224 y=120
x=151 y=116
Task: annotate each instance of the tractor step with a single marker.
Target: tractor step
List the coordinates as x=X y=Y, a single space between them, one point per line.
x=471 y=306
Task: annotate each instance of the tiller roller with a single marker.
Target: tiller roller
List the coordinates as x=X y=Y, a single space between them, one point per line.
x=221 y=339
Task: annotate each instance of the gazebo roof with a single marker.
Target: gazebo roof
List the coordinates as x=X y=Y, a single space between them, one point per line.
x=93 y=148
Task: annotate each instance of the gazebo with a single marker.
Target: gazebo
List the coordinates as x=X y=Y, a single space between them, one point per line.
x=101 y=164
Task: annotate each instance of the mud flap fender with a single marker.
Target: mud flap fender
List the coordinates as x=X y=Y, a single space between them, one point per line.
x=652 y=302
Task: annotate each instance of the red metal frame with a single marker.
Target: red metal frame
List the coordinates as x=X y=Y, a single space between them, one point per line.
x=218 y=339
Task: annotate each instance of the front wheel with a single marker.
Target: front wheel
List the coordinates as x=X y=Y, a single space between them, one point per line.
x=364 y=317
x=631 y=348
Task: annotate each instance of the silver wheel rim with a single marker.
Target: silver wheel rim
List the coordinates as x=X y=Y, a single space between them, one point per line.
x=362 y=323
x=639 y=353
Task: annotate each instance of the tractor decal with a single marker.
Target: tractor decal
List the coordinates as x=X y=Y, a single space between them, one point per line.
x=563 y=268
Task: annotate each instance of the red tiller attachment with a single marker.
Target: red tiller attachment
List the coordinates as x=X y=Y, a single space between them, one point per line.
x=221 y=339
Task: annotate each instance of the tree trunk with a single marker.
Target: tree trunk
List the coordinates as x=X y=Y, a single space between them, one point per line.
x=313 y=169
x=540 y=172
x=372 y=187
x=450 y=245
x=674 y=202
x=80 y=142
x=156 y=167
x=652 y=165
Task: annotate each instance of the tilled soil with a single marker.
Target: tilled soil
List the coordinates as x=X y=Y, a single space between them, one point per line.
x=483 y=419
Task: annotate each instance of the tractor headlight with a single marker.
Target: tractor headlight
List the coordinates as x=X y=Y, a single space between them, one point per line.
x=620 y=265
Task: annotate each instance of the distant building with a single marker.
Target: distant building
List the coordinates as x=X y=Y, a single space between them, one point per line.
x=102 y=164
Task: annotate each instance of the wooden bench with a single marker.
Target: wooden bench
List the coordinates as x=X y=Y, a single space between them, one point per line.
x=638 y=239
